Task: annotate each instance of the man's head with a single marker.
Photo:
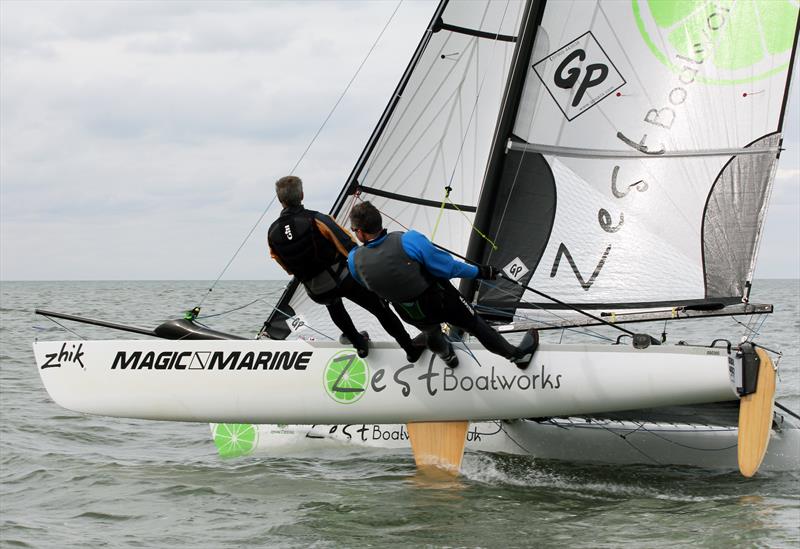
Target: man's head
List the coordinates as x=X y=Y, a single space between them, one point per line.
x=290 y=191
x=365 y=221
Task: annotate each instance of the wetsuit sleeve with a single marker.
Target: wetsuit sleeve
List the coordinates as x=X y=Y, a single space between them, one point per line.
x=336 y=234
x=351 y=264
x=439 y=263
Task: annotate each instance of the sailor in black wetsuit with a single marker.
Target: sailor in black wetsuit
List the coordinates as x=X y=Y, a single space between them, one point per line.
x=313 y=247
x=406 y=269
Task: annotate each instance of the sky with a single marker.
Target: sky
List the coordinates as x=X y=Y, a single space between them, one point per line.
x=140 y=140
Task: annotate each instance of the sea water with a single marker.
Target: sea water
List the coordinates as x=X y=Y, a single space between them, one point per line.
x=68 y=479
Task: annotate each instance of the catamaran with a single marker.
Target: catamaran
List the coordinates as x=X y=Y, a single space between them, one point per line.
x=615 y=159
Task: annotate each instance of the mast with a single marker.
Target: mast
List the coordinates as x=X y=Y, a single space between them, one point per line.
x=531 y=20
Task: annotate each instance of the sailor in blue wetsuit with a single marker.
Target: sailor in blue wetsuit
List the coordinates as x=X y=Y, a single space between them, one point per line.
x=313 y=247
x=406 y=269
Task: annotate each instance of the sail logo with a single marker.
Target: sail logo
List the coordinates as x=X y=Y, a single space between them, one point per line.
x=743 y=41
x=346 y=377
x=579 y=75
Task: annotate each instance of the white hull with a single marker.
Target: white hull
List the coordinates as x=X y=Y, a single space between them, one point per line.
x=301 y=382
x=566 y=439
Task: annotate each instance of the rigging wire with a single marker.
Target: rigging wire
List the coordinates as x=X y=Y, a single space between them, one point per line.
x=302 y=156
x=54 y=321
x=585 y=331
x=223 y=313
x=750 y=331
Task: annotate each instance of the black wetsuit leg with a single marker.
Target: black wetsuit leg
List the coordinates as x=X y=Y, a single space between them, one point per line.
x=455 y=310
x=342 y=319
x=426 y=314
x=366 y=299
x=339 y=315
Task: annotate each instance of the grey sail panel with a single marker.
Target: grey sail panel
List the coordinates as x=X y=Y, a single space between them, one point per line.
x=735 y=212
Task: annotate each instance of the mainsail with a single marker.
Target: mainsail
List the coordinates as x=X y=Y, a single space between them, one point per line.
x=622 y=153
x=643 y=152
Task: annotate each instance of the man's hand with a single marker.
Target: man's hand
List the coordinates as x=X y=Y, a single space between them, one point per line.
x=487 y=272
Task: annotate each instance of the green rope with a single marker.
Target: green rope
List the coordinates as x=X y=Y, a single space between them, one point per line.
x=441 y=211
x=472 y=225
x=474 y=228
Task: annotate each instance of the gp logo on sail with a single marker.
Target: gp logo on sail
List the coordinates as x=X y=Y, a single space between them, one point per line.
x=579 y=75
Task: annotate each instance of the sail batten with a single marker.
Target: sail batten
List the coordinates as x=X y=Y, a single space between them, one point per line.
x=414 y=200
x=440 y=25
x=612 y=153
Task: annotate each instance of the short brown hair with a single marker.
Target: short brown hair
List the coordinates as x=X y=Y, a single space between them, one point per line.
x=366 y=217
x=289 y=190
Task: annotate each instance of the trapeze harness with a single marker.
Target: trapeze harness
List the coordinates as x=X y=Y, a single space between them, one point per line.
x=387 y=271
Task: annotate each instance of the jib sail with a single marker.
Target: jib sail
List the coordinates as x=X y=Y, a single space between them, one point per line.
x=424 y=165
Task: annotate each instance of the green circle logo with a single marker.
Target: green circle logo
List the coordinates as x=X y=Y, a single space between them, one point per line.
x=346 y=377
x=235 y=439
x=745 y=41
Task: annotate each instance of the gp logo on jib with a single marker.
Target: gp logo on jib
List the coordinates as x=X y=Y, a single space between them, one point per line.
x=566 y=78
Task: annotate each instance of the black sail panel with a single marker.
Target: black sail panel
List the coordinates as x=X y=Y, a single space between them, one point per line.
x=525 y=207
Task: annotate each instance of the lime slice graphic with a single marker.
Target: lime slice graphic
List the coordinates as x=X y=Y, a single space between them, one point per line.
x=744 y=40
x=235 y=439
x=346 y=377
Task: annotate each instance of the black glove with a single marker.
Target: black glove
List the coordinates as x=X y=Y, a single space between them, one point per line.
x=487 y=272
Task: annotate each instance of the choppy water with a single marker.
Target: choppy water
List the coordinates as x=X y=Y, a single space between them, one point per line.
x=71 y=480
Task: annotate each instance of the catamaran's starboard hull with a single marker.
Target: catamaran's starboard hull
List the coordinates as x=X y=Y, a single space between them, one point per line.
x=577 y=440
x=302 y=382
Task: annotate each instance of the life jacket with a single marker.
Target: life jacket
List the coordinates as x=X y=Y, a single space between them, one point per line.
x=297 y=241
x=387 y=270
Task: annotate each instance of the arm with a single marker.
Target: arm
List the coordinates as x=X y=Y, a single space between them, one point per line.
x=336 y=234
x=440 y=264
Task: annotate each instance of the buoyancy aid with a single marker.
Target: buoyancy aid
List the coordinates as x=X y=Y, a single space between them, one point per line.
x=297 y=241
x=387 y=270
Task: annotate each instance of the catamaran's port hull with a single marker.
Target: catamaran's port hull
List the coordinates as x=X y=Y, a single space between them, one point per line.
x=302 y=382
x=577 y=440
